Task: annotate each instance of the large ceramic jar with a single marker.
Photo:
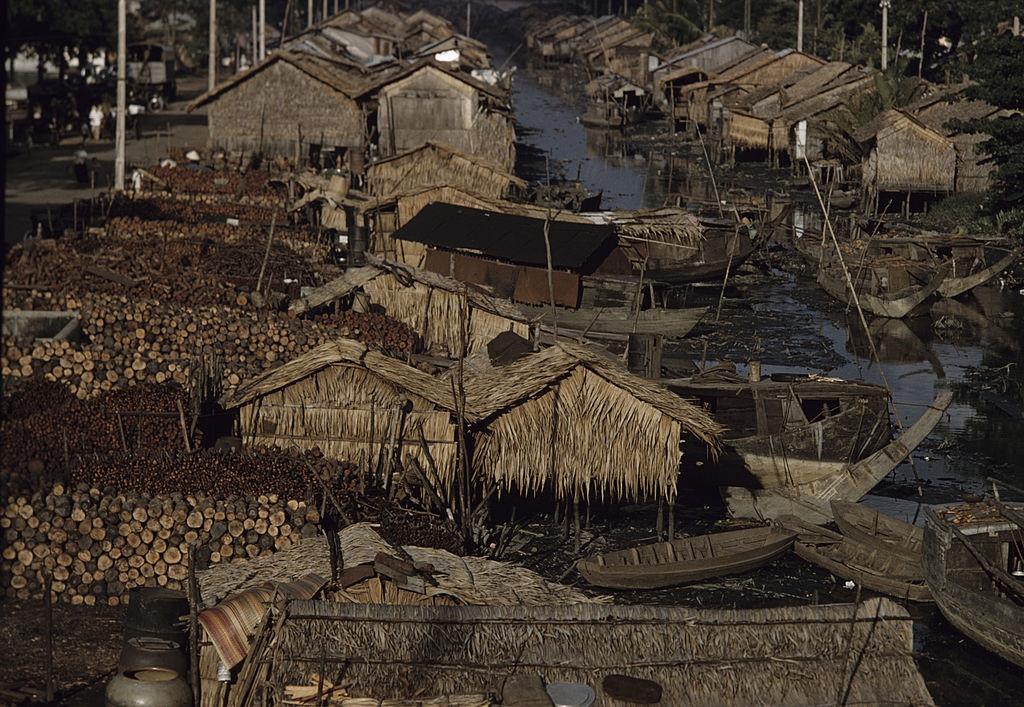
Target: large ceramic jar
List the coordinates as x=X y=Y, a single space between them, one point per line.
x=149 y=687
x=143 y=652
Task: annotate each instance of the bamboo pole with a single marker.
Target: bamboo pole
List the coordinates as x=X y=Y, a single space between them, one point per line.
x=266 y=253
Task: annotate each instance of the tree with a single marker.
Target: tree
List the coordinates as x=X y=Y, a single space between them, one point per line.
x=998 y=69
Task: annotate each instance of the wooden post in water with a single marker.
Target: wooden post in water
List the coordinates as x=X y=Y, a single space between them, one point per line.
x=644 y=354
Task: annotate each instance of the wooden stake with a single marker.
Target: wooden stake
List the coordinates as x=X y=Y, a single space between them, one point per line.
x=266 y=253
x=48 y=603
x=193 y=625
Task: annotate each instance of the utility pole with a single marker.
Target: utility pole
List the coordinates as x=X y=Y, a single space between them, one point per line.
x=746 y=19
x=211 y=80
x=122 y=102
x=309 y=13
x=800 y=26
x=323 y=11
x=255 y=37
x=885 y=34
x=263 y=29
x=711 y=15
x=469 y=15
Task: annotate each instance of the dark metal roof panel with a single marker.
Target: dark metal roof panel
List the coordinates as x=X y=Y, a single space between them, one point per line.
x=509 y=237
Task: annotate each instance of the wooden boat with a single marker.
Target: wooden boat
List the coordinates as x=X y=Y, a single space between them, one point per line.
x=894 y=276
x=788 y=430
x=971 y=555
x=879 y=531
x=867 y=565
x=617 y=323
x=812 y=501
x=726 y=245
x=954 y=285
x=667 y=564
x=873 y=293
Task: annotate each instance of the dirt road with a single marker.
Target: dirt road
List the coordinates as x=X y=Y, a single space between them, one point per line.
x=43 y=178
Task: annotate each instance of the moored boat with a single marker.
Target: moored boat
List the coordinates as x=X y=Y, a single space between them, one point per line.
x=788 y=429
x=812 y=501
x=879 y=531
x=974 y=566
x=866 y=565
x=685 y=560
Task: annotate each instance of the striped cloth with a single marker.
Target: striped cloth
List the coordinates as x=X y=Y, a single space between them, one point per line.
x=231 y=624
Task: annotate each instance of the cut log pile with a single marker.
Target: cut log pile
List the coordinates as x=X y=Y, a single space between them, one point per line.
x=132 y=341
x=385 y=333
x=189 y=271
x=47 y=430
x=97 y=547
x=250 y=185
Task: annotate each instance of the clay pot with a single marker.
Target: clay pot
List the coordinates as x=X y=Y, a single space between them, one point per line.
x=143 y=652
x=149 y=687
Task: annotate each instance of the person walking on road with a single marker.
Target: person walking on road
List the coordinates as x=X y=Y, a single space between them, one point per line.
x=96 y=121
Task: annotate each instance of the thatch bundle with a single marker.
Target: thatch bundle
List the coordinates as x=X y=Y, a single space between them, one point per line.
x=350 y=402
x=434 y=164
x=833 y=654
x=572 y=420
x=459 y=580
x=430 y=304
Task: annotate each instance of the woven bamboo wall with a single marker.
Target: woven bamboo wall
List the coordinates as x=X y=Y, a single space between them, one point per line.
x=270 y=109
x=350 y=414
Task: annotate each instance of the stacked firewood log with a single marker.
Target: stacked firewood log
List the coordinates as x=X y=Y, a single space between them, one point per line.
x=46 y=429
x=252 y=184
x=97 y=546
x=190 y=271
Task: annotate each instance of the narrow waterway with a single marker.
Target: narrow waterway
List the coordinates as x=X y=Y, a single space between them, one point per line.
x=773 y=312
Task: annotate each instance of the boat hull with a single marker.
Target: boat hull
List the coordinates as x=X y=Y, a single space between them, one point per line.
x=767 y=544
x=848 y=559
x=990 y=620
x=812 y=501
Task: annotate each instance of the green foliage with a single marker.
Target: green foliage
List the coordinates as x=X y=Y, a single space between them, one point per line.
x=672 y=22
x=964 y=212
x=998 y=69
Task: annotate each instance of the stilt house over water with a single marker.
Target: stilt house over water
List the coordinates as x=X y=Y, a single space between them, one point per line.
x=570 y=420
x=352 y=403
x=906 y=163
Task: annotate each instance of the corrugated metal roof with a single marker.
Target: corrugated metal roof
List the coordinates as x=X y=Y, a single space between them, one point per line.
x=508 y=237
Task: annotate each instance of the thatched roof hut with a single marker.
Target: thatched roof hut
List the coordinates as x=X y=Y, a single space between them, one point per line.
x=571 y=420
x=803 y=655
x=354 y=403
x=428 y=303
x=974 y=165
x=434 y=164
x=706 y=55
x=429 y=103
x=454 y=581
x=285 y=103
x=905 y=156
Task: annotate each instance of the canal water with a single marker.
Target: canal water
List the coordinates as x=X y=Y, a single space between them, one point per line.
x=772 y=311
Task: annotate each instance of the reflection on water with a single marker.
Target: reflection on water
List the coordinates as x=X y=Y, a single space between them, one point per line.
x=790 y=319
x=918 y=356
